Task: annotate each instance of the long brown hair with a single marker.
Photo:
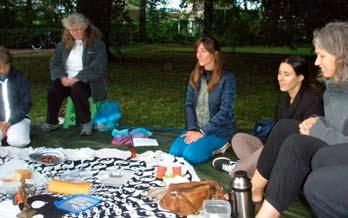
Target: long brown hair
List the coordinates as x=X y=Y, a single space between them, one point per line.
x=214 y=48
x=76 y=19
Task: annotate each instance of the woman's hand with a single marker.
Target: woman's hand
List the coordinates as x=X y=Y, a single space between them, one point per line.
x=307 y=124
x=72 y=81
x=192 y=136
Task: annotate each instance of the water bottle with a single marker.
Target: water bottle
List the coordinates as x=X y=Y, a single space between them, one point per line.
x=243 y=206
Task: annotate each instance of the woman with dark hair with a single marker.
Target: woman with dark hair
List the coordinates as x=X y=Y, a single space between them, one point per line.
x=209 y=105
x=15 y=103
x=300 y=98
x=77 y=70
x=285 y=161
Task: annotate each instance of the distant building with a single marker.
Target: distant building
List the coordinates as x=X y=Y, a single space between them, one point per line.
x=132 y=10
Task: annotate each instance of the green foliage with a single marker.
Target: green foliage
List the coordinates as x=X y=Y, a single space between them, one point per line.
x=237 y=22
x=22 y=37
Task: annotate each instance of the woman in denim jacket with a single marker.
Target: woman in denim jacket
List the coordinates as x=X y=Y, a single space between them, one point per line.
x=209 y=106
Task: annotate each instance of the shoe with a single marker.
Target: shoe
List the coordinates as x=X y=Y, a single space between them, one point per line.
x=223 y=164
x=86 y=129
x=221 y=150
x=47 y=127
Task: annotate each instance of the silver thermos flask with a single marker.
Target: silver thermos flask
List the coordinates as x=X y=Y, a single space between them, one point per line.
x=243 y=206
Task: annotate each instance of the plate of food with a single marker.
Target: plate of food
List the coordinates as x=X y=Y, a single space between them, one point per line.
x=48 y=156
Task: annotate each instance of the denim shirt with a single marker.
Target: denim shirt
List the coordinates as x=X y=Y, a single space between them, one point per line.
x=221 y=107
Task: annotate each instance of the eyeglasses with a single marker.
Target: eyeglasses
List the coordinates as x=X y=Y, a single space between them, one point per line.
x=75 y=30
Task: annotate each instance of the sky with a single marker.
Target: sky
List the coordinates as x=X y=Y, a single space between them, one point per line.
x=174 y=4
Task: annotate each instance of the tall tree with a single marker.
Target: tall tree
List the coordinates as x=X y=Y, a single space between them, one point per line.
x=142 y=21
x=295 y=20
x=7 y=14
x=29 y=12
x=208 y=16
x=100 y=13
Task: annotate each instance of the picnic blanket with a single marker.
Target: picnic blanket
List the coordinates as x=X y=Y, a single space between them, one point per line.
x=165 y=136
x=126 y=200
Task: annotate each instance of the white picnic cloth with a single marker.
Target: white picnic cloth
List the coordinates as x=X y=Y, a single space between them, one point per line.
x=152 y=158
x=8 y=210
x=70 y=154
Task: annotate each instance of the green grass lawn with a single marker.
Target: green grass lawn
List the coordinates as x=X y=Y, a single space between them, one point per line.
x=150 y=84
x=175 y=48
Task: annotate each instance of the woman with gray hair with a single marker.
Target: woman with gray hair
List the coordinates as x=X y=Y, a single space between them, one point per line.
x=15 y=103
x=77 y=70
x=285 y=161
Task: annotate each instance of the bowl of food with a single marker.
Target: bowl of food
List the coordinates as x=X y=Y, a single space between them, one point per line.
x=48 y=156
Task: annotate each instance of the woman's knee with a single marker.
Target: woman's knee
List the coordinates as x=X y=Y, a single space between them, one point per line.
x=292 y=148
x=238 y=138
x=313 y=184
x=319 y=157
x=18 y=141
x=293 y=142
x=195 y=153
x=177 y=147
x=244 y=145
x=79 y=88
x=193 y=157
x=299 y=148
x=284 y=125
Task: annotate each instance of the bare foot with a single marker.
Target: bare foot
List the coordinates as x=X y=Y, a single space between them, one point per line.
x=226 y=196
x=257 y=195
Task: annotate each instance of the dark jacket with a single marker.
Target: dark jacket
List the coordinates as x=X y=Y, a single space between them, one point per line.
x=333 y=128
x=305 y=104
x=18 y=95
x=94 y=60
x=221 y=107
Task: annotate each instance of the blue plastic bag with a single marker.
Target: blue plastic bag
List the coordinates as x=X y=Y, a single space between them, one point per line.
x=107 y=117
x=262 y=128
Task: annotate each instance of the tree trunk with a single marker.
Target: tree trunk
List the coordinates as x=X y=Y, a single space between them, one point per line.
x=29 y=12
x=208 y=16
x=99 y=13
x=142 y=21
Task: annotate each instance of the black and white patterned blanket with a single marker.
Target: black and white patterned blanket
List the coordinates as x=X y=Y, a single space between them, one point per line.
x=128 y=200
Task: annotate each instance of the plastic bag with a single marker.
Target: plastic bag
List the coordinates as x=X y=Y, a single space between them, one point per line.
x=107 y=117
x=262 y=128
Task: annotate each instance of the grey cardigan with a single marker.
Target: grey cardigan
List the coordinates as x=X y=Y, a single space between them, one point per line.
x=333 y=128
x=94 y=60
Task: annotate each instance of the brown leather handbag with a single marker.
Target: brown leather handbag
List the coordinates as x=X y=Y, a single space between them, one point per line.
x=187 y=198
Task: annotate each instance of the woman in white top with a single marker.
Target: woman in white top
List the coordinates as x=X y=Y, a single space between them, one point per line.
x=77 y=70
x=15 y=103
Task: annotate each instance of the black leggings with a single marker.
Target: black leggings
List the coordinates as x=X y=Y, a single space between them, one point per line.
x=279 y=133
x=286 y=161
x=79 y=93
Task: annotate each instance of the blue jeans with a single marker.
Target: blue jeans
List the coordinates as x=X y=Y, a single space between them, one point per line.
x=198 y=151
